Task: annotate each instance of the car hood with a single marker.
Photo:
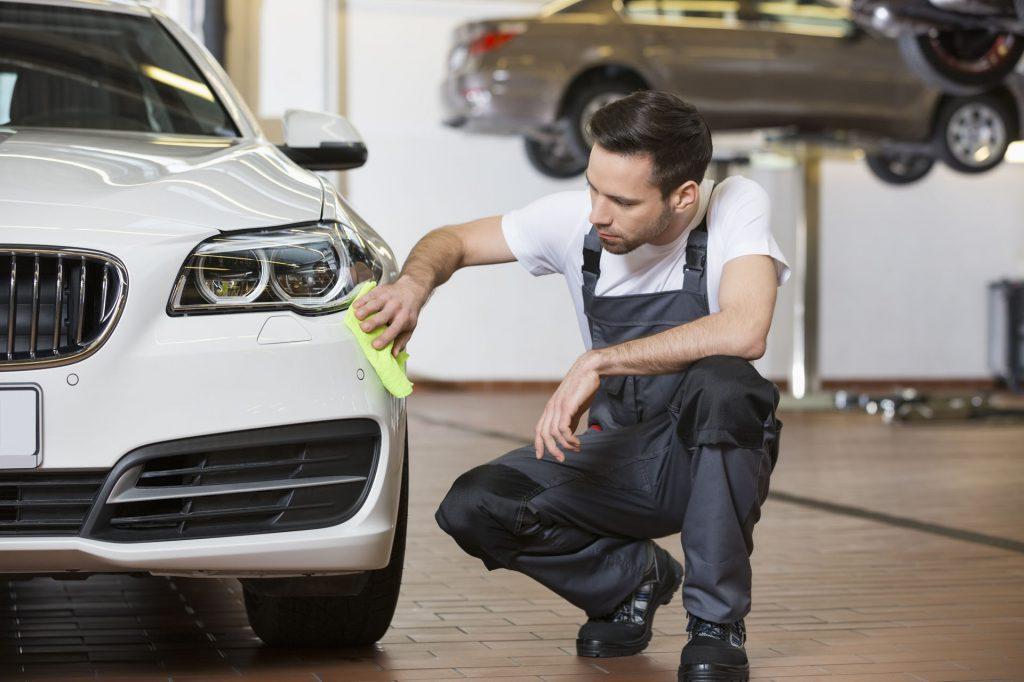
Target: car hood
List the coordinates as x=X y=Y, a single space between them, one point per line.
x=140 y=184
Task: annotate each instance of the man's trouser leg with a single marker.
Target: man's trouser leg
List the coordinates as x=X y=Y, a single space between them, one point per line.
x=581 y=527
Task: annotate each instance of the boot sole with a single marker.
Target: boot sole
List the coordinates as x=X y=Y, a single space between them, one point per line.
x=714 y=672
x=592 y=648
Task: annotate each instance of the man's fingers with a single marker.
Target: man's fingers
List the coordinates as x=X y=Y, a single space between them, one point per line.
x=547 y=431
x=552 y=448
x=566 y=428
x=395 y=327
x=401 y=342
x=559 y=433
x=539 y=442
x=569 y=439
x=381 y=318
x=369 y=304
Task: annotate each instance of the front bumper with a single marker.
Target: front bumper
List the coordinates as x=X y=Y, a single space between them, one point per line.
x=159 y=378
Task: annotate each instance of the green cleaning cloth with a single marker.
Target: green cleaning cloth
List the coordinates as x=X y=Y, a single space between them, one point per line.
x=390 y=369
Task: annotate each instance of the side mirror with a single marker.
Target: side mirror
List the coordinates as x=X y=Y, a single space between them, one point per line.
x=323 y=142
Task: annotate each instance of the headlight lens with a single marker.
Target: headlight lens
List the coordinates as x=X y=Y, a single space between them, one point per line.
x=311 y=269
x=231 y=278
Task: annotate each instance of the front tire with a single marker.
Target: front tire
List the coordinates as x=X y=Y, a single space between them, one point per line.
x=964 y=62
x=328 y=621
x=897 y=168
x=973 y=133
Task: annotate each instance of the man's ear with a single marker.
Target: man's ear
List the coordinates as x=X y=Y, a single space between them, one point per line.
x=684 y=196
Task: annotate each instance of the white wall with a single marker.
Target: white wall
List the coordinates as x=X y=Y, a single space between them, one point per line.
x=903 y=269
x=298 y=56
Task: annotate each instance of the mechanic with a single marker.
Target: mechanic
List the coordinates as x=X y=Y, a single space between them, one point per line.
x=674 y=282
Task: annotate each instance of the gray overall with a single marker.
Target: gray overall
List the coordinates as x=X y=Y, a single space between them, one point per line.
x=690 y=452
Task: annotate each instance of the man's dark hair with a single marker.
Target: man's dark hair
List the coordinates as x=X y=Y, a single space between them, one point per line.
x=663 y=125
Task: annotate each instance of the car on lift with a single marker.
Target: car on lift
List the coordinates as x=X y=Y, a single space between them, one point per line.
x=803 y=67
x=178 y=392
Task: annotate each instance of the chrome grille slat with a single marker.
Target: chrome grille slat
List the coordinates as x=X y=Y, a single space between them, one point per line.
x=34 y=328
x=182 y=491
x=12 y=310
x=57 y=298
x=103 y=297
x=237 y=468
x=57 y=306
x=80 y=313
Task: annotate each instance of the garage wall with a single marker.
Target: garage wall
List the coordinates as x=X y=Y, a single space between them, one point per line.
x=904 y=269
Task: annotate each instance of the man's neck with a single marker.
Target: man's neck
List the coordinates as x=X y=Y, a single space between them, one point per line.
x=678 y=224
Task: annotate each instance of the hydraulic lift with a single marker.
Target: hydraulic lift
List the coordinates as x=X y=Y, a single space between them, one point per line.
x=805 y=385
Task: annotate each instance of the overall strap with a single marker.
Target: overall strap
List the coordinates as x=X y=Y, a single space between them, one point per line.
x=697 y=253
x=591 y=264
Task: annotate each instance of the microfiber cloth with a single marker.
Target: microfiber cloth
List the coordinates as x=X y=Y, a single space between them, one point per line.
x=390 y=369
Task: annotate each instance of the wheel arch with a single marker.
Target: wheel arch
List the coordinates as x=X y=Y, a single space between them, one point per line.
x=596 y=73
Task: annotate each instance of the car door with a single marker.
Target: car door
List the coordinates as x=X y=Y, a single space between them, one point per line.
x=827 y=74
x=708 y=53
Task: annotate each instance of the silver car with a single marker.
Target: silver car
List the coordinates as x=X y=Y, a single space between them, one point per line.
x=800 y=65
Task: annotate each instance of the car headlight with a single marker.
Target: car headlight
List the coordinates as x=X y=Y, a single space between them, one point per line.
x=311 y=269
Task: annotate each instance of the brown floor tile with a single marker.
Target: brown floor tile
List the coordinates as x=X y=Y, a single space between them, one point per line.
x=836 y=597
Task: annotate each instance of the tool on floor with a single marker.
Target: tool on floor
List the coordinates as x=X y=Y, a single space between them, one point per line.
x=390 y=369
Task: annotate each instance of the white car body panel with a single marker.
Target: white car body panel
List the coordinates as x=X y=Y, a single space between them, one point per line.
x=206 y=183
x=149 y=200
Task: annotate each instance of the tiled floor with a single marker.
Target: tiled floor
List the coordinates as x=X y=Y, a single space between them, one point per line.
x=915 y=572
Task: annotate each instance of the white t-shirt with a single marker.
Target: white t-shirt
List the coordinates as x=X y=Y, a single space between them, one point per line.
x=547 y=237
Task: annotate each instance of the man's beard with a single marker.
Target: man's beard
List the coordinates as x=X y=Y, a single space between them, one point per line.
x=653 y=230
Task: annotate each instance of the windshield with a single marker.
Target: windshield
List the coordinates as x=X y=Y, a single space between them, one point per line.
x=79 y=68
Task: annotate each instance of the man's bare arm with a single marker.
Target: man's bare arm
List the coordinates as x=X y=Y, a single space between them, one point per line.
x=432 y=262
x=747 y=301
x=439 y=253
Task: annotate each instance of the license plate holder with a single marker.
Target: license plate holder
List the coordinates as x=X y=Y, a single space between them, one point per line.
x=21 y=426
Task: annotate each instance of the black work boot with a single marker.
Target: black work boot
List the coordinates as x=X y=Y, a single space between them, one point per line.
x=627 y=630
x=714 y=652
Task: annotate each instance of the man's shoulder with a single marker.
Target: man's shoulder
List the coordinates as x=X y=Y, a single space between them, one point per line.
x=738 y=188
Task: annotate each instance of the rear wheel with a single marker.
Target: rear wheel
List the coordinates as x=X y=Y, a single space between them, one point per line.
x=584 y=102
x=899 y=168
x=973 y=133
x=554 y=157
x=962 y=62
x=347 y=620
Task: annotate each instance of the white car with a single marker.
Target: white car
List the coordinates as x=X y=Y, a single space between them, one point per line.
x=178 y=392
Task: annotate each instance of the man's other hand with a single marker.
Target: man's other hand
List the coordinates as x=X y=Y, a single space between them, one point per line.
x=395 y=305
x=557 y=425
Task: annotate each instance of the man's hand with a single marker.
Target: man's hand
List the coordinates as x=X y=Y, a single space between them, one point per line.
x=396 y=305
x=557 y=425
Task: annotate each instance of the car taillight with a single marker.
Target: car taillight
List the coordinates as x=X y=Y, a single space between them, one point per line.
x=491 y=40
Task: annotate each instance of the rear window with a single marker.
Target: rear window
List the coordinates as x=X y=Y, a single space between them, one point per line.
x=64 y=67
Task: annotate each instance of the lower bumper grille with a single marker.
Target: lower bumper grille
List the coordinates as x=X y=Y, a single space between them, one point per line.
x=47 y=502
x=267 y=480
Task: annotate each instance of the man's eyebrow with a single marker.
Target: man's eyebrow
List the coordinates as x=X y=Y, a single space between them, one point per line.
x=625 y=200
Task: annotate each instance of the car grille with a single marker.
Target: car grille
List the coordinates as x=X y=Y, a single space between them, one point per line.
x=56 y=306
x=268 y=480
x=47 y=503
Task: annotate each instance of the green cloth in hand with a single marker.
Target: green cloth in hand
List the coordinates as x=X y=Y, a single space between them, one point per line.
x=390 y=369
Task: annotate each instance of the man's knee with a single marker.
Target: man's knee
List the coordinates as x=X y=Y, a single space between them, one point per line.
x=482 y=509
x=723 y=399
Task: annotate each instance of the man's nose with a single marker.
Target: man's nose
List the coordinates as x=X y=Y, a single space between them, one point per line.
x=599 y=213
